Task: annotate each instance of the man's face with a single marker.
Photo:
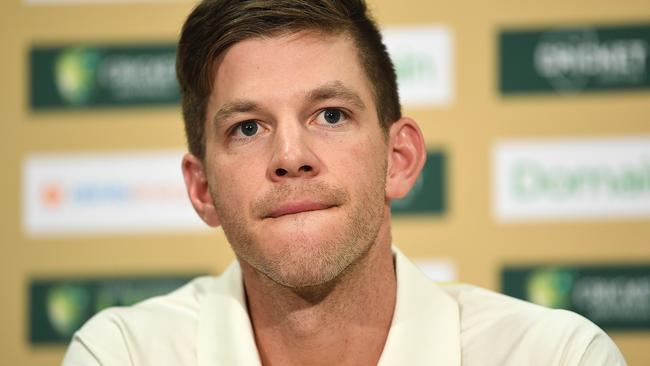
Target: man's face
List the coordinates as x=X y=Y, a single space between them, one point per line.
x=295 y=156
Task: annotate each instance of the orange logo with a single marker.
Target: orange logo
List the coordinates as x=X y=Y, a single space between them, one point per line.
x=51 y=195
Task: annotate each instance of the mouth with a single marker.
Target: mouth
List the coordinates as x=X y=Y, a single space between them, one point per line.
x=293 y=208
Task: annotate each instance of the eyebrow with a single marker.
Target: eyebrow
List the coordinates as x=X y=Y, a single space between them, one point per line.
x=335 y=90
x=331 y=90
x=234 y=107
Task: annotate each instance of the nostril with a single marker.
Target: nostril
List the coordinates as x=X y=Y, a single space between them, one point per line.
x=305 y=168
x=280 y=172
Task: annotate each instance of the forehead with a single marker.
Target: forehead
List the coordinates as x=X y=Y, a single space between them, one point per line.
x=282 y=67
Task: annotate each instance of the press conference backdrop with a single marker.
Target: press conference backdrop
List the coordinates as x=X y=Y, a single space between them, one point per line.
x=536 y=117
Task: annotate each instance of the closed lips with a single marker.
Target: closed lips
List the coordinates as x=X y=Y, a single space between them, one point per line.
x=298 y=207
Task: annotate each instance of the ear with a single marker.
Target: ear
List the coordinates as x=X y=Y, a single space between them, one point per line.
x=198 y=190
x=406 y=157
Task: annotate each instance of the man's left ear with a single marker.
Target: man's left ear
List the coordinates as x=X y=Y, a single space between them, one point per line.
x=406 y=157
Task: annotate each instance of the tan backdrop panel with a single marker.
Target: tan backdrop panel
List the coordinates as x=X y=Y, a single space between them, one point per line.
x=465 y=130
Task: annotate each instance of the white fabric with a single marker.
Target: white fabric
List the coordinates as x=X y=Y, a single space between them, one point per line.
x=206 y=323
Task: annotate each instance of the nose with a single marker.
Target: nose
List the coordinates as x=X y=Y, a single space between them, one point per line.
x=293 y=155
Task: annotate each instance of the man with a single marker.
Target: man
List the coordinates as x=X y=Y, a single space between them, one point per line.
x=297 y=147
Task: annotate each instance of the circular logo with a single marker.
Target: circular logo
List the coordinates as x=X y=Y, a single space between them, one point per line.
x=550 y=287
x=67 y=307
x=76 y=74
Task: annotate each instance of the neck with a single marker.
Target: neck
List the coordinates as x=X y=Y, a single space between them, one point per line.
x=343 y=322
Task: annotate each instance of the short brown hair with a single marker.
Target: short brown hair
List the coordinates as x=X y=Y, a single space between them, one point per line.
x=215 y=25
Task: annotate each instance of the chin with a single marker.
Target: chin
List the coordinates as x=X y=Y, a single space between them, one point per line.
x=304 y=280
x=309 y=250
x=307 y=263
x=304 y=274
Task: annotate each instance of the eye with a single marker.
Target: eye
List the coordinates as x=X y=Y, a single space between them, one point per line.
x=332 y=116
x=247 y=128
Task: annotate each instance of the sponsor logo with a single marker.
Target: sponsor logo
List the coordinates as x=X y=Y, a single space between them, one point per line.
x=88 y=76
x=570 y=60
x=58 y=307
x=428 y=195
x=106 y=193
x=66 y=306
x=51 y=195
x=614 y=297
x=127 y=192
x=75 y=73
x=423 y=61
x=550 y=287
x=94 y=76
x=55 y=195
x=563 y=179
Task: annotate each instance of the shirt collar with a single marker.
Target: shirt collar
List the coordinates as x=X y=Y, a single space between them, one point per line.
x=225 y=334
x=425 y=328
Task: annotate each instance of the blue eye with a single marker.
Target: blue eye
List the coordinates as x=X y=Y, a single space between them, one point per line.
x=332 y=116
x=248 y=128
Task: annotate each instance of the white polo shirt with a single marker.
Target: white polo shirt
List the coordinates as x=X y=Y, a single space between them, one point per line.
x=206 y=323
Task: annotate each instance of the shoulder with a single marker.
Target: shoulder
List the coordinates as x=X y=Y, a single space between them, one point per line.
x=509 y=331
x=122 y=335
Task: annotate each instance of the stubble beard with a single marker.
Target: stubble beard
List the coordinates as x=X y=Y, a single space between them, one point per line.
x=303 y=261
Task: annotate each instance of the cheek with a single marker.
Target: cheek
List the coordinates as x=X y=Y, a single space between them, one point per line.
x=360 y=164
x=234 y=184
